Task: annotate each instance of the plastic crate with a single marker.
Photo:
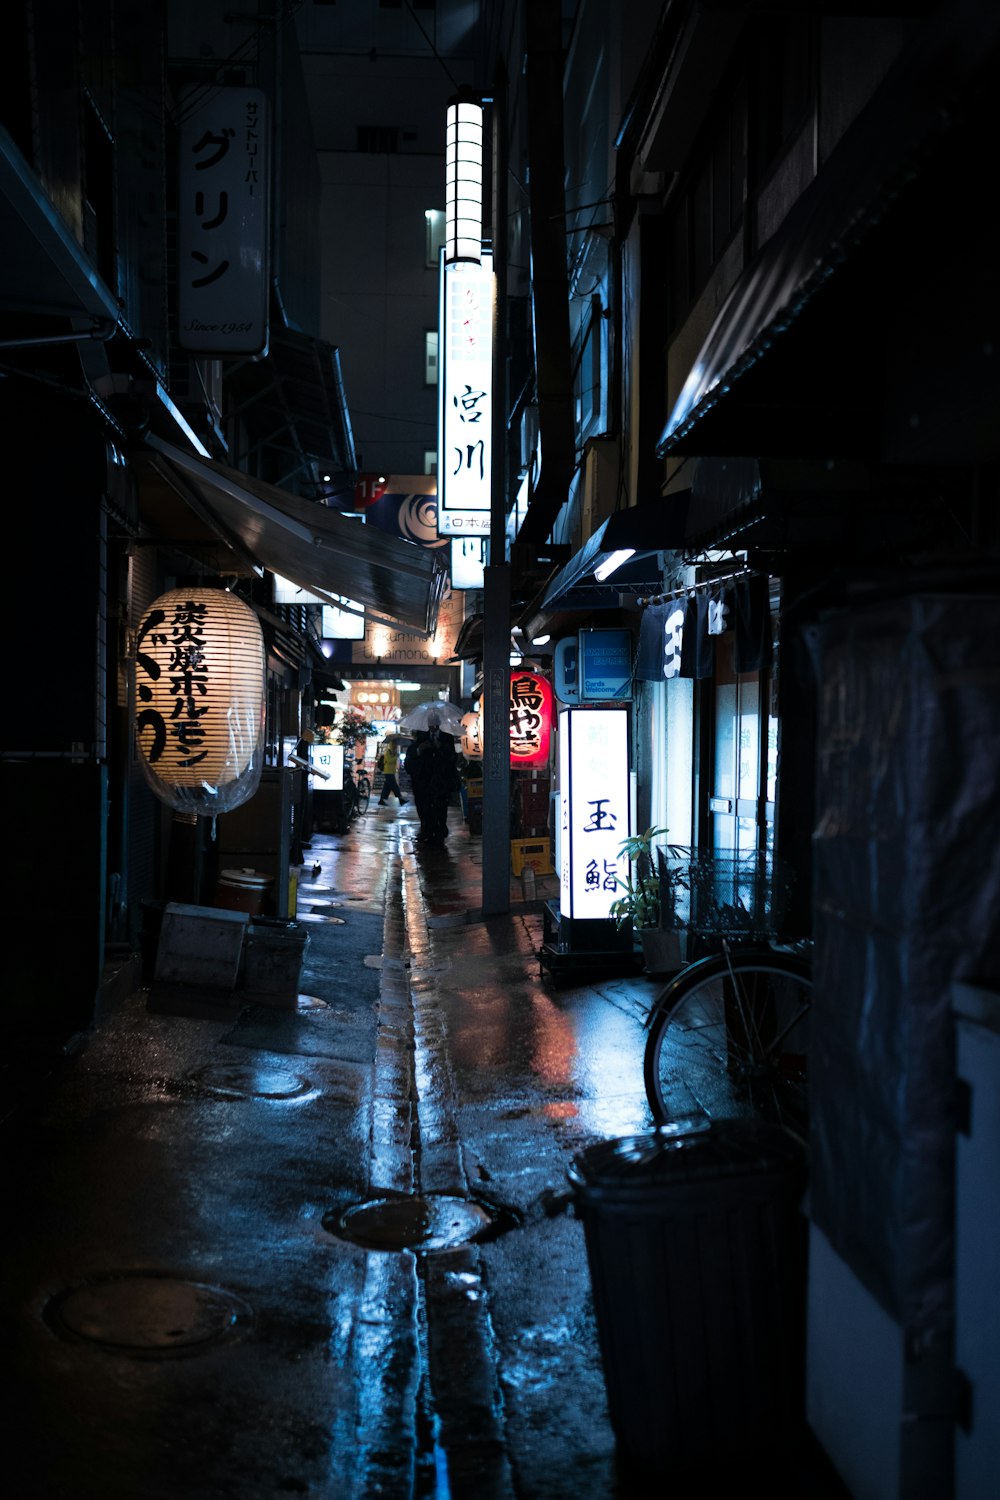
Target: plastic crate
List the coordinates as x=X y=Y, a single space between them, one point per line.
x=533 y=853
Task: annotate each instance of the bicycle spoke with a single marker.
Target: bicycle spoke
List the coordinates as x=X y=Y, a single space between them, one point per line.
x=731 y=1035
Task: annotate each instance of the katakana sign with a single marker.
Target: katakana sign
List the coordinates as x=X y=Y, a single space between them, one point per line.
x=223 y=207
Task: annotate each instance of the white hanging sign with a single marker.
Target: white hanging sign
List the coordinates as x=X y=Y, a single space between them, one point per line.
x=223 y=201
x=465 y=413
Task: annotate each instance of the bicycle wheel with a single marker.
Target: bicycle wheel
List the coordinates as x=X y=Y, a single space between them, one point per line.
x=729 y=1038
x=364 y=794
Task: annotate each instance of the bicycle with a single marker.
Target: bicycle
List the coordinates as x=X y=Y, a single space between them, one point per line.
x=363 y=788
x=728 y=1035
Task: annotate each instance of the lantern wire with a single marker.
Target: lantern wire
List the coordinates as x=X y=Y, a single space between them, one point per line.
x=430 y=43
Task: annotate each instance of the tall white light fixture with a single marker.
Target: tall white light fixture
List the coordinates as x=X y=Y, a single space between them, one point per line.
x=463 y=236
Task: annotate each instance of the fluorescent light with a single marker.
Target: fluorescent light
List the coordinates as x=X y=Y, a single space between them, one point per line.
x=464 y=180
x=541 y=640
x=612 y=562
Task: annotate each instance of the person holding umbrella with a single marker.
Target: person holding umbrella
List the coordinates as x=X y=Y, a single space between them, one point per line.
x=433 y=772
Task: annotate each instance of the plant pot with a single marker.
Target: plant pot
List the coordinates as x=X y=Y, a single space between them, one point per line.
x=661 y=949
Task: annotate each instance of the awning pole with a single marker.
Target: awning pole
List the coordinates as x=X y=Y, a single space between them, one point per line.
x=496 y=582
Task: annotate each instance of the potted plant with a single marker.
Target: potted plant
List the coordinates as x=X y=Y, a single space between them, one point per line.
x=649 y=901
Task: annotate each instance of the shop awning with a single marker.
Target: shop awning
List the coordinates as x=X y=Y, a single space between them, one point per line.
x=399 y=583
x=292 y=405
x=793 y=362
x=649 y=529
x=46 y=275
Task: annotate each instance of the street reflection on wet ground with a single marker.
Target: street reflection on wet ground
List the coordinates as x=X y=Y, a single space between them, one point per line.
x=427 y=1086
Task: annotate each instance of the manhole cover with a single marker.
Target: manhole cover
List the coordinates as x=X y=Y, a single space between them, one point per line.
x=242 y=1081
x=148 y=1314
x=411 y=1223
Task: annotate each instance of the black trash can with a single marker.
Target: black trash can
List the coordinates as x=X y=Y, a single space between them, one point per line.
x=696 y=1242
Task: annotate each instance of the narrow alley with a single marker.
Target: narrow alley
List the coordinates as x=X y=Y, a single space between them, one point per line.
x=319 y=1250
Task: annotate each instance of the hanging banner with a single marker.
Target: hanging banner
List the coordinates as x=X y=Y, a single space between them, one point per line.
x=465 y=410
x=223 y=271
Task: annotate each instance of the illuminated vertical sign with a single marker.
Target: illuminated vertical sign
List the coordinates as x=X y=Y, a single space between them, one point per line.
x=465 y=410
x=223 y=200
x=594 y=808
x=530 y=719
x=467 y=562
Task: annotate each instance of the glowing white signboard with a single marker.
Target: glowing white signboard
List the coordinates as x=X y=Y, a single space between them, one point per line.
x=328 y=758
x=287 y=592
x=346 y=624
x=468 y=560
x=465 y=412
x=594 y=809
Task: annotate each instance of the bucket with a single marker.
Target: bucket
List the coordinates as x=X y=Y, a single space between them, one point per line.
x=275 y=951
x=243 y=890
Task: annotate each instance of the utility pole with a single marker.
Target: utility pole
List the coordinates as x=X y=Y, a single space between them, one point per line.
x=496 y=591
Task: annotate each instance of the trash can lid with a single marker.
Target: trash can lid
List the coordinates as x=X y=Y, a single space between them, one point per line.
x=682 y=1151
x=250 y=878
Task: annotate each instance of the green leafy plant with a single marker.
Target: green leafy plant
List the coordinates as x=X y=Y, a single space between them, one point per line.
x=350 y=727
x=646 y=898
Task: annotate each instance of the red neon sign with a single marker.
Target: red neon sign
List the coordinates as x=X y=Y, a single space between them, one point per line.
x=530 y=719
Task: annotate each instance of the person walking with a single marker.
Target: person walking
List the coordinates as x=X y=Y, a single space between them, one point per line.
x=431 y=767
x=388 y=764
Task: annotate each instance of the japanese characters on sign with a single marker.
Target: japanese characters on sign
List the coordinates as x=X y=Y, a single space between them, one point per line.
x=530 y=719
x=223 y=214
x=467 y=562
x=465 y=412
x=200 y=699
x=329 y=763
x=594 y=808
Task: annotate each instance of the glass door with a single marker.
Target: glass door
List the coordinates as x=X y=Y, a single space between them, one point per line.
x=744 y=758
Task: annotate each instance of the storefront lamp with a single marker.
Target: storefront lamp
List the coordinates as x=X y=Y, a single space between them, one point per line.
x=594 y=807
x=464 y=186
x=612 y=563
x=200 y=700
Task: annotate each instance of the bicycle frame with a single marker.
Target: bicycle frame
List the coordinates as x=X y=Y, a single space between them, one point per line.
x=666 y=999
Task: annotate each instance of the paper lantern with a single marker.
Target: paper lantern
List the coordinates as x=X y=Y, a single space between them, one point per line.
x=472 y=736
x=530 y=718
x=200 y=700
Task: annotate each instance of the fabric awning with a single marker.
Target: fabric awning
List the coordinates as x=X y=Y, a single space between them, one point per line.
x=399 y=583
x=791 y=364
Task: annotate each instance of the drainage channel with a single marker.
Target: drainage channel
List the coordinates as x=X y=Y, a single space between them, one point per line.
x=438 y=1378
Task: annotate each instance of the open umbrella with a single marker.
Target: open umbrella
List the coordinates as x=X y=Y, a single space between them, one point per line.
x=448 y=717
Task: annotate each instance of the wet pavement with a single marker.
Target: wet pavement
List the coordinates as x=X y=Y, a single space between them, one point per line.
x=322 y=1249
